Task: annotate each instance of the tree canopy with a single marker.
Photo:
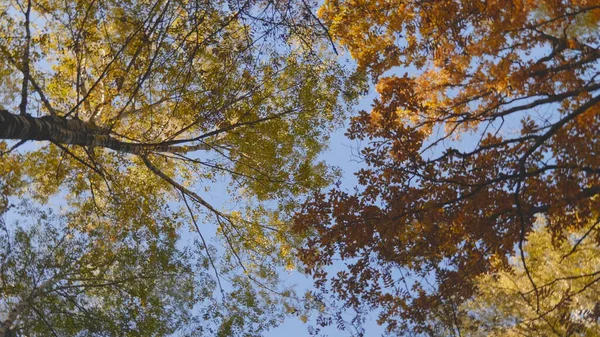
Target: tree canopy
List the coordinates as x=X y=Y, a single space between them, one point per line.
x=566 y=275
x=119 y=118
x=137 y=108
x=56 y=281
x=487 y=117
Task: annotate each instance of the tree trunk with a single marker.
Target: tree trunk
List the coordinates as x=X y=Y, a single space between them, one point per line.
x=17 y=310
x=75 y=132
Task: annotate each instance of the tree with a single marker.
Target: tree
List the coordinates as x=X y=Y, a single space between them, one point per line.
x=139 y=107
x=505 y=303
x=494 y=122
x=56 y=281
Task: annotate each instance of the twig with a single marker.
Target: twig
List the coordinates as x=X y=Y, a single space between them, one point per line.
x=12 y=148
x=210 y=259
x=25 y=61
x=322 y=26
x=580 y=240
x=66 y=150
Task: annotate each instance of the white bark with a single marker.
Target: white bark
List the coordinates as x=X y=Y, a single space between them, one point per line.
x=17 y=310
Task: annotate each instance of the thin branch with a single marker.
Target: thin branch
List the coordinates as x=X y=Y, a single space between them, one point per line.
x=66 y=150
x=581 y=240
x=179 y=187
x=210 y=259
x=322 y=26
x=12 y=148
x=39 y=314
x=114 y=59
x=35 y=85
x=26 y=61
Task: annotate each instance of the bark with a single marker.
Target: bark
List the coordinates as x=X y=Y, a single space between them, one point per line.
x=17 y=310
x=76 y=132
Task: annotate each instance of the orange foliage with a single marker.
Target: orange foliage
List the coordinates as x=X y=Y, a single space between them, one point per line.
x=499 y=125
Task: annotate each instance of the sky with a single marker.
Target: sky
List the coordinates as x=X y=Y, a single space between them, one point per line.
x=342 y=153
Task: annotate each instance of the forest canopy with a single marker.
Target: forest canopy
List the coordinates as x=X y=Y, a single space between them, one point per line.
x=159 y=166
x=487 y=117
x=116 y=120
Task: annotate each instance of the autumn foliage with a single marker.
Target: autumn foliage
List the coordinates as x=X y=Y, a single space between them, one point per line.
x=487 y=117
x=120 y=121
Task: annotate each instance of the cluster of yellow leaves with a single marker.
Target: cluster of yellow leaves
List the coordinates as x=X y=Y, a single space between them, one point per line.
x=243 y=94
x=565 y=298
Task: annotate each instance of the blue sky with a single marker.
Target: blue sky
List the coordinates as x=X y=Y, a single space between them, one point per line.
x=342 y=153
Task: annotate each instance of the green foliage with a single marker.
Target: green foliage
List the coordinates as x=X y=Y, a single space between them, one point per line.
x=62 y=282
x=141 y=108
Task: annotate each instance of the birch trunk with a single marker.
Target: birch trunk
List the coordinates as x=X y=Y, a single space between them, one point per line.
x=76 y=132
x=14 y=314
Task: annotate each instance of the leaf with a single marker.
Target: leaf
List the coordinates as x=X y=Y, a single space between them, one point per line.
x=486 y=117
x=123 y=115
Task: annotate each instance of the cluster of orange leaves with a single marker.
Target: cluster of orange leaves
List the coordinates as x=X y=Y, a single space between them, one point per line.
x=495 y=122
